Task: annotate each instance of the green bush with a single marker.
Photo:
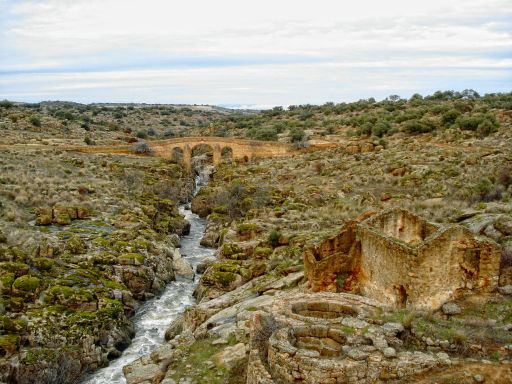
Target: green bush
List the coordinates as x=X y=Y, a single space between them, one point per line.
x=142 y=148
x=88 y=141
x=419 y=126
x=381 y=128
x=5 y=104
x=263 y=133
x=273 y=238
x=448 y=118
x=483 y=124
x=35 y=121
x=141 y=134
x=297 y=134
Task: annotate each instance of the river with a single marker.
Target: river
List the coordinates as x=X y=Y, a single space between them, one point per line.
x=154 y=316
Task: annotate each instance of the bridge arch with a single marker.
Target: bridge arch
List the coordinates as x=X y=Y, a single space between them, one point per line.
x=226 y=154
x=177 y=154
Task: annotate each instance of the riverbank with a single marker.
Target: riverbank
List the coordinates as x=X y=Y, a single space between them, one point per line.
x=85 y=240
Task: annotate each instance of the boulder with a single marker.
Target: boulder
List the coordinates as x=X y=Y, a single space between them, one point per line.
x=389 y=352
x=61 y=215
x=44 y=216
x=504 y=225
x=211 y=237
x=231 y=356
x=505 y=290
x=204 y=264
x=181 y=266
x=451 y=308
x=367 y=147
x=393 y=328
x=353 y=149
x=142 y=370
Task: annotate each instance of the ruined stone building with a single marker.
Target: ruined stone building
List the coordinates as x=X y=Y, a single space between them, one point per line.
x=402 y=260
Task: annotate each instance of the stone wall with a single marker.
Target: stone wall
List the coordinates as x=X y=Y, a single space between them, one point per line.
x=336 y=255
x=403 y=261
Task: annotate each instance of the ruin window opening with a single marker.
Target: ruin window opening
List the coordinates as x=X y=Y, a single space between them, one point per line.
x=401 y=296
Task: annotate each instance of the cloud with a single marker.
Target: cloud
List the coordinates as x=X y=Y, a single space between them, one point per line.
x=63 y=47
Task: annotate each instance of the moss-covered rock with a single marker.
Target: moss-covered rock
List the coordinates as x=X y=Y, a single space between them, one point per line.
x=61 y=215
x=131 y=259
x=43 y=263
x=76 y=245
x=26 y=284
x=44 y=216
x=262 y=252
x=72 y=298
x=19 y=269
x=9 y=344
x=6 y=280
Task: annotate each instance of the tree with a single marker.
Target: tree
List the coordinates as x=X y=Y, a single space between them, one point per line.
x=470 y=94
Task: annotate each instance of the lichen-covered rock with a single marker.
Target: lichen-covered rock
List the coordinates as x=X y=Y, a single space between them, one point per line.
x=451 y=309
x=44 y=216
x=76 y=245
x=61 y=215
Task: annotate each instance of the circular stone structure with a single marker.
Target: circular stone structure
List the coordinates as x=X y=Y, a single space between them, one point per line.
x=329 y=338
x=325 y=307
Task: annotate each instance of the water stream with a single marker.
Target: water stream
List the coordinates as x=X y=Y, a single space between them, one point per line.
x=153 y=317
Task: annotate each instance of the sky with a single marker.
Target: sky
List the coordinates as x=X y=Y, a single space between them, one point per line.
x=251 y=53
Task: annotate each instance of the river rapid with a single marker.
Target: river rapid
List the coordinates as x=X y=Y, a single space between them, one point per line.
x=154 y=316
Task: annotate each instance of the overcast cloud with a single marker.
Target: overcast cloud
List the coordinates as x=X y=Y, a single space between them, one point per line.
x=261 y=53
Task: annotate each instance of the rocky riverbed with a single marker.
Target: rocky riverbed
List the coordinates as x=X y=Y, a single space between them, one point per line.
x=154 y=316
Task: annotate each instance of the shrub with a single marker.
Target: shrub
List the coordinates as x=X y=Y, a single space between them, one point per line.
x=5 y=104
x=169 y=133
x=142 y=148
x=141 y=134
x=273 y=238
x=35 y=121
x=381 y=128
x=151 y=132
x=88 y=141
x=483 y=124
x=419 y=126
x=297 y=134
x=264 y=133
x=485 y=190
x=504 y=176
x=448 y=118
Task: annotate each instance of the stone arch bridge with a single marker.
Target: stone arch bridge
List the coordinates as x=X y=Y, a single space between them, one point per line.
x=241 y=149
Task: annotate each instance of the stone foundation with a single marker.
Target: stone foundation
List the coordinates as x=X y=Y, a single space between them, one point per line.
x=328 y=338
